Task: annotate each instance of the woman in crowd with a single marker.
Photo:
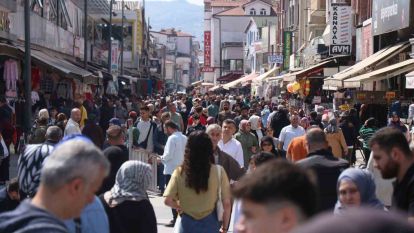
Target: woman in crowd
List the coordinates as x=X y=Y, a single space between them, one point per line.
x=267 y=145
x=194 y=187
x=61 y=121
x=336 y=139
x=129 y=196
x=356 y=188
x=397 y=124
x=366 y=132
x=256 y=127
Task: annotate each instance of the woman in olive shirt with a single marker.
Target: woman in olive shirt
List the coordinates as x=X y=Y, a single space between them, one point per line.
x=193 y=188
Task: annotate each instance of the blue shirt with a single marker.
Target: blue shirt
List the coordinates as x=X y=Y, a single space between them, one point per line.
x=93 y=219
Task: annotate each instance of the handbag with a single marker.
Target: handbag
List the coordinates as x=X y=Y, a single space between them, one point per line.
x=219 y=203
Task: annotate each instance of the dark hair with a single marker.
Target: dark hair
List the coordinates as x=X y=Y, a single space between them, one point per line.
x=388 y=138
x=145 y=108
x=171 y=124
x=313 y=115
x=371 y=122
x=114 y=132
x=263 y=157
x=13 y=185
x=197 y=161
x=278 y=181
x=230 y=121
x=269 y=140
x=198 y=109
x=42 y=121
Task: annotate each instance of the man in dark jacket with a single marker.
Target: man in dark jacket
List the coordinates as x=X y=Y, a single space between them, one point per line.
x=230 y=165
x=279 y=120
x=117 y=153
x=93 y=131
x=9 y=196
x=106 y=113
x=326 y=167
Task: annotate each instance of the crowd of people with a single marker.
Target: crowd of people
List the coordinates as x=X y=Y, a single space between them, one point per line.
x=222 y=161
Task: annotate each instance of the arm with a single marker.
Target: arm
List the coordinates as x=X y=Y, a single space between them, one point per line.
x=289 y=151
x=281 y=139
x=169 y=149
x=239 y=155
x=343 y=143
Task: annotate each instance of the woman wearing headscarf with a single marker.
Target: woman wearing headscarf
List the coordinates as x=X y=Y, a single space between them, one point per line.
x=256 y=127
x=356 y=188
x=336 y=139
x=194 y=188
x=267 y=145
x=127 y=204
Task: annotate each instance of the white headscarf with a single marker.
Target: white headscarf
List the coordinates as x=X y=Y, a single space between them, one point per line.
x=131 y=183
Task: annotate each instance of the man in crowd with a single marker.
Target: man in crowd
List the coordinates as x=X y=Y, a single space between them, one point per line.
x=279 y=120
x=146 y=128
x=116 y=153
x=230 y=145
x=270 y=203
x=9 y=196
x=175 y=116
x=247 y=140
x=244 y=115
x=120 y=112
x=81 y=167
x=73 y=126
x=393 y=157
x=327 y=168
x=226 y=113
x=32 y=159
x=160 y=139
x=230 y=165
x=173 y=155
x=290 y=132
x=213 y=109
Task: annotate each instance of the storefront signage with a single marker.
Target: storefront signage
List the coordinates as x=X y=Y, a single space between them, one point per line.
x=4 y=22
x=287 y=49
x=277 y=59
x=207 y=69
x=390 y=95
x=207 y=49
x=390 y=15
x=409 y=82
x=114 y=55
x=361 y=96
x=341 y=29
x=155 y=66
x=139 y=33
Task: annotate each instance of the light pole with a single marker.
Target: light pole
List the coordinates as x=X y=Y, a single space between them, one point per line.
x=122 y=39
x=85 y=35
x=109 y=39
x=27 y=69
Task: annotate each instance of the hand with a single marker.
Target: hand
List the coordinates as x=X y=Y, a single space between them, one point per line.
x=223 y=230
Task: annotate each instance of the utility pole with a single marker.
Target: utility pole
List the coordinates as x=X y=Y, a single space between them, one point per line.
x=122 y=40
x=85 y=35
x=109 y=39
x=27 y=69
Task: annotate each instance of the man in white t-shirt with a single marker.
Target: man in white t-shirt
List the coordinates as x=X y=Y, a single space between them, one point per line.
x=230 y=145
x=290 y=132
x=146 y=129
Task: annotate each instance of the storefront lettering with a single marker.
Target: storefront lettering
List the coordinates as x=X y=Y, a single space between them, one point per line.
x=389 y=11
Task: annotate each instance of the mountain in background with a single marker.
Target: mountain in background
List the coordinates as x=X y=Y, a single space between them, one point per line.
x=178 y=14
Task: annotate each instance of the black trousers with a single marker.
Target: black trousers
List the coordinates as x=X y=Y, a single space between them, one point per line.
x=4 y=169
x=174 y=212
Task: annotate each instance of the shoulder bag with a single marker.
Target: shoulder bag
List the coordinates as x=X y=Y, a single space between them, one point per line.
x=219 y=203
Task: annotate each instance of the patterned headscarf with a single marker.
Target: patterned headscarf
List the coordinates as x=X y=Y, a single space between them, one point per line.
x=132 y=181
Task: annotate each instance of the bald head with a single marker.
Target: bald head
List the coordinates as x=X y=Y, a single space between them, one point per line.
x=76 y=115
x=316 y=140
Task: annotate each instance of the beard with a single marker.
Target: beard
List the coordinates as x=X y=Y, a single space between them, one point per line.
x=390 y=170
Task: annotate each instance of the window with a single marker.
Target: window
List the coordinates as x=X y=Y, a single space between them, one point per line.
x=233 y=65
x=263 y=11
x=252 y=11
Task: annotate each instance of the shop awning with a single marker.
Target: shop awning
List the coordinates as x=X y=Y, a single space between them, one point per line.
x=266 y=75
x=215 y=88
x=311 y=70
x=366 y=65
x=60 y=65
x=207 y=84
x=380 y=74
x=197 y=83
x=10 y=50
x=229 y=77
x=238 y=81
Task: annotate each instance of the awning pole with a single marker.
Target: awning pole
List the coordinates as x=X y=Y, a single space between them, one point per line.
x=85 y=36
x=27 y=70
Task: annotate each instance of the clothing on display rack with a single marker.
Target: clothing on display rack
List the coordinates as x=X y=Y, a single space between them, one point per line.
x=10 y=76
x=46 y=84
x=64 y=89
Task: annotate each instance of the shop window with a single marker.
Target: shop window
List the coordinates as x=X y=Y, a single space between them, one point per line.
x=233 y=65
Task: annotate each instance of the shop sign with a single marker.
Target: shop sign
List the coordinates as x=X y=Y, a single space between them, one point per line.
x=317 y=100
x=390 y=15
x=207 y=49
x=155 y=66
x=139 y=33
x=390 y=95
x=341 y=29
x=409 y=82
x=277 y=59
x=361 y=96
x=287 y=49
x=114 y=55
x=207 y=69
x=4 y=22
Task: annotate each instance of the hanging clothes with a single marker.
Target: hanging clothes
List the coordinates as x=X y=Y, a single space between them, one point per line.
x=10 y=76
x=64 y=89
x=35 y=78
x=46 y=84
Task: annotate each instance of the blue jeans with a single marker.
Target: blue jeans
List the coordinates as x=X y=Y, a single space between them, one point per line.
x=160 y=177
x=208 y=224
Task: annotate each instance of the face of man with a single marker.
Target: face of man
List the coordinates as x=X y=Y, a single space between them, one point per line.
x=228 y=129
x=15 y=196
x=226 y=106
x=83 y=193
x=215 y=136
x=246 y=127
x=144 y=115
x=76 y=116
x=384 y=162
x=172 y=108
x=294 y=121
x=245 y=112
x=257 y=218
x=53 y=113
x=169 y=130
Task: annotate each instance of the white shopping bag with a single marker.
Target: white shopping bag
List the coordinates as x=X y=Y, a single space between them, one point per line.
x=177 y=226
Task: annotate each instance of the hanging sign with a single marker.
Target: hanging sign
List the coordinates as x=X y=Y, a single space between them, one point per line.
x=341 y=29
